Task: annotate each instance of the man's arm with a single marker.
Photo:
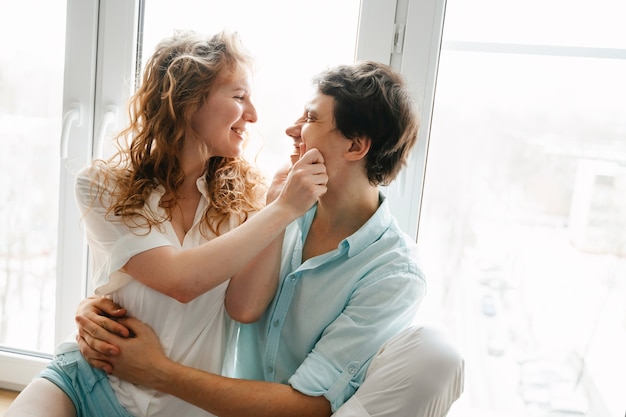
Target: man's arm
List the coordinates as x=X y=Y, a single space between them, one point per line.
x=141 y=361
x=229 y=397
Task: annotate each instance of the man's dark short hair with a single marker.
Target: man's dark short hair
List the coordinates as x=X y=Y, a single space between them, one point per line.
x=372 y=100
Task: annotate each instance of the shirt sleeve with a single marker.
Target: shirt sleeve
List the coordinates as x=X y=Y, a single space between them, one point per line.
x=111 y=242
x=381 y=305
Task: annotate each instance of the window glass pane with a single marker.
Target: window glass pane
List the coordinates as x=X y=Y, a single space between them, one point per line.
x=541 y=22
x=291 y=41
x=32 y=41
x=523 y=219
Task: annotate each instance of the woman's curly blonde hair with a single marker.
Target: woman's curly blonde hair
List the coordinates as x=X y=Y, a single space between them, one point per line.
x=177 y=80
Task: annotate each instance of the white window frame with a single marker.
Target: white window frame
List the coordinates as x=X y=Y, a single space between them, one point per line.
x=410 y=41
x=101 y=48
x=18 y=368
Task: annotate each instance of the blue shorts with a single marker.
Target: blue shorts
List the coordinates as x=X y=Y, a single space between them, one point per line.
x=87 y=387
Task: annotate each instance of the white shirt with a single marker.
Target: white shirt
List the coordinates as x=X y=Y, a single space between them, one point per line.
x=194 y=334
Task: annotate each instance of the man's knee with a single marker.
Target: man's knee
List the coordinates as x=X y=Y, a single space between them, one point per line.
x=435 y=353
x=418 y=373
x=431 y=366
x=437 y=369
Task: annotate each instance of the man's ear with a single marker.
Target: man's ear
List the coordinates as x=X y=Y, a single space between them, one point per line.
x=359 y=147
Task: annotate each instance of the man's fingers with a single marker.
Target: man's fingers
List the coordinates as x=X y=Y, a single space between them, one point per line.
x=134 y=326
x=96 y=337
x=100 y=305
x=93 y=357
x=110 y=307
x=90 y=319
x=105 y=366
x=114 y=326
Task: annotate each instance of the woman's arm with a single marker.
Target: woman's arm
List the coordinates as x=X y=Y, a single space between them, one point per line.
x=186 y=274
x=250 y=291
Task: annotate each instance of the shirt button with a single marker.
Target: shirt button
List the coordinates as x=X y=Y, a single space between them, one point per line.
x=276 y=323
x=270 y=370
x=293 y=279
x=352 y=370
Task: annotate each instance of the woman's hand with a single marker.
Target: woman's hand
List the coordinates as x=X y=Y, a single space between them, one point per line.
x=304 y=183
x=280 y=177
x=278 y=182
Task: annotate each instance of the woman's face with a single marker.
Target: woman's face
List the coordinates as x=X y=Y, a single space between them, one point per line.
x=221 y=121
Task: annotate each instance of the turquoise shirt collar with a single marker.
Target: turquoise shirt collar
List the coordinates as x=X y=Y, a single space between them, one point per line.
x=368 y=233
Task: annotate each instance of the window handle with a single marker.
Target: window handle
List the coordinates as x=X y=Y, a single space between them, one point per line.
x=108 y=120
x=73 y=115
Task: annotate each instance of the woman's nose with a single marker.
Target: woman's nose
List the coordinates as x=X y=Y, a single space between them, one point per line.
x=250 y=114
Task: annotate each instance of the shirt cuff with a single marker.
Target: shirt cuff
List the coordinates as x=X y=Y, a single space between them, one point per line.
x=323 y=379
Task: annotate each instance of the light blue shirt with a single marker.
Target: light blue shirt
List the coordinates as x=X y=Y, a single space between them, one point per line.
x=333 y=312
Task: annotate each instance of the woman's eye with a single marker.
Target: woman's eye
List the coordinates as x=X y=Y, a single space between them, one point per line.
x=308 y=119
x=240 y=97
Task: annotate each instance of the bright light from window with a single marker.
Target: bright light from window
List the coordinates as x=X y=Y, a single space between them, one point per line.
x=291 y=42
x=523 y=223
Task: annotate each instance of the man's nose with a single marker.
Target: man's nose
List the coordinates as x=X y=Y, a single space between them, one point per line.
x=294 y=130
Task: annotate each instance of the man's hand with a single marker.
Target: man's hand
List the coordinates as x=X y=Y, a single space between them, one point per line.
x=141 y=357
x=96 y=318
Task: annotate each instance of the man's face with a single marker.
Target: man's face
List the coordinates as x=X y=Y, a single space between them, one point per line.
x=316 y=129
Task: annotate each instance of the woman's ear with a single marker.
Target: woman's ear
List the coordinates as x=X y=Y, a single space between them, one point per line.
x=359 y=147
